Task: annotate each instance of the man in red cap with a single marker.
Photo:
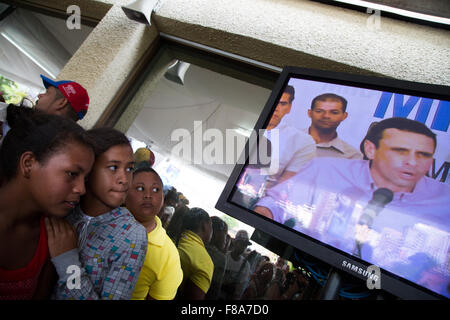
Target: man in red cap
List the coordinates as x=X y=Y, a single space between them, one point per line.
x=64 y=98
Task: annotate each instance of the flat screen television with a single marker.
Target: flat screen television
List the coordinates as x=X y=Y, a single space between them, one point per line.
x=354 y=172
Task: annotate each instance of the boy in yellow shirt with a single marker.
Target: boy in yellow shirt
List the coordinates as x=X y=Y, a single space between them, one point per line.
x=161 y=273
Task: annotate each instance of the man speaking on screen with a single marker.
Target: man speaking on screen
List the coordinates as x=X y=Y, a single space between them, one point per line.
x=335 y=201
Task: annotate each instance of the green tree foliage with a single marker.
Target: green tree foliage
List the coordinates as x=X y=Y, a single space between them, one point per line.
x=230 y=221
x=11 y=91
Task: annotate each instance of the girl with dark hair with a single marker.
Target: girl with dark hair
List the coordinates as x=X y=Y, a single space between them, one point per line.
x=195 y=261
x=44 y=160
x=215 y=249
x=176 y=223
x=111 y=243
x=161 y=273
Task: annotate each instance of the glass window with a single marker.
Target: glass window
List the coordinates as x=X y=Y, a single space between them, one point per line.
x=32 y=44
x=183 y=97
x=194 y=111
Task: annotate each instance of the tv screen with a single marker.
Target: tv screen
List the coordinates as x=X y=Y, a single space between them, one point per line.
x=353 y=170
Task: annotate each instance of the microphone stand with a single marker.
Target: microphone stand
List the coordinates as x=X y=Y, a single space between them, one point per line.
x=333 y=285
x=357 y=251
x=380 y=198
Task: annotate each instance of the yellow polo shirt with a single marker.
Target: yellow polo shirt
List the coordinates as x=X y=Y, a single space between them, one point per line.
x=161 y=273
x=195 y=261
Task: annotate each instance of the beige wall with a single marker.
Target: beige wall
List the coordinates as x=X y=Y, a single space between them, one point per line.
x=311 y=34
x=281 y=32
x=106 y=58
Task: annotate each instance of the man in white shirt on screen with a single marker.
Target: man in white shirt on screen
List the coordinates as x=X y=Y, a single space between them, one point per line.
x=291 y=148
x=288 y=149
x=327 y=111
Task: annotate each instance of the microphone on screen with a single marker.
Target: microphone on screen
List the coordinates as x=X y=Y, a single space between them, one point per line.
x=380 y=198
x=290 y=223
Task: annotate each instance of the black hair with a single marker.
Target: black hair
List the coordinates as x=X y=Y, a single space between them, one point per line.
x=174 y=228
x=375 y=132
x=144 y=168
x=193 y=220
x=43 y=134
x=171 y=195
x=329 y=96
x=106 y=138
x=291 y=91
x=218 y=224
x=182 y=199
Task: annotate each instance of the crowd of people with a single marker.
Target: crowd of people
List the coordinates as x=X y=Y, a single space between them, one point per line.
x=83 y=217
x=218 y=266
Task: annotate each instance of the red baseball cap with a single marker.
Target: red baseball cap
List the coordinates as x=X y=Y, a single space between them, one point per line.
x=74 y=93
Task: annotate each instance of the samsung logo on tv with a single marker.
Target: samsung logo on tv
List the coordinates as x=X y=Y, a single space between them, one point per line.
x=372 y=273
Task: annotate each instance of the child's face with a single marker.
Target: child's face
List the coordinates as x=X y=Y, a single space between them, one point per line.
x=145 y=197
x=57 y=184
x=111 y=177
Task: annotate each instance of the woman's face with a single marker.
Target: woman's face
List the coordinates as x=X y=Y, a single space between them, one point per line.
x=58 y=182
x=145 y=197
x=110 y=178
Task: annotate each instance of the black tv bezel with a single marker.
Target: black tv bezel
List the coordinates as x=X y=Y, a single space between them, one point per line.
x=334 y=257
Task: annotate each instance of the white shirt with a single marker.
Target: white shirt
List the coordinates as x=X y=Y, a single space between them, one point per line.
x=238 y=274
x=293 y=150
x=336 y=148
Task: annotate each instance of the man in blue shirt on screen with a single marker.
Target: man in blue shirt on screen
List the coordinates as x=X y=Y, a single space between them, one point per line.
x=409 y=236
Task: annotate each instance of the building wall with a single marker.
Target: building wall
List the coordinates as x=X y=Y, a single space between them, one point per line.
x=277 y=32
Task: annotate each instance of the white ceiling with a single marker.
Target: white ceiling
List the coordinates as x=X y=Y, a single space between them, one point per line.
x=32 y=44
x=71 y=40
x=219 y=101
